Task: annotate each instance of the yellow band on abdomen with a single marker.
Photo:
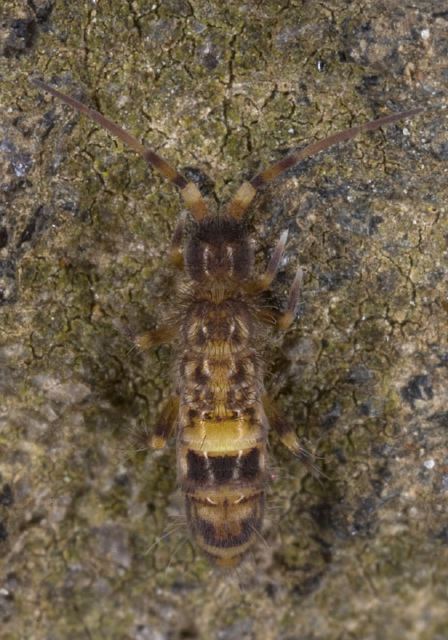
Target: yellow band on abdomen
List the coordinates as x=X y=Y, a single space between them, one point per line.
x=221 y=436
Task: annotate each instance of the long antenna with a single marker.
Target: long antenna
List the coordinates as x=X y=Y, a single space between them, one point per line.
x=247 y=191
x=189 y=191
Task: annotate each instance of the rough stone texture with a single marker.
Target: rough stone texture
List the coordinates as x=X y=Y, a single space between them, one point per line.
x=223 y=88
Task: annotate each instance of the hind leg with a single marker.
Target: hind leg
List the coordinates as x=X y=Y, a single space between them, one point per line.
x=165 y=424
x=287 y=435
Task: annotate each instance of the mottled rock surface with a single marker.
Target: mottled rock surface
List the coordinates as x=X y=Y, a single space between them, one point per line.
x=221 y=89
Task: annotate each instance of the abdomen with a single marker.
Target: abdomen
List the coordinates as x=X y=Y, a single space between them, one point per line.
x=221 y=446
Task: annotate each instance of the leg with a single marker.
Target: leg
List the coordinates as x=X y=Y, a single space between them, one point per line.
x=165 y=423
x=287 y=435
x=153 y=338
x=278 y=422
x=149 y=339
x=287 y=317
x=176 y=252
x=264 y=282
x=283 y=319
x=267 y=315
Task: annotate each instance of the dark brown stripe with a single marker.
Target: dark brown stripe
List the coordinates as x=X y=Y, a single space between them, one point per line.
x=216 y=537
x=249 y=466
x=258 y=181
x=219 y=470
x=197 y=467
x=199 y=376
x=165 y=169
x=199 y=338
x=180 y=181
x=240 y=375
x=222 y=468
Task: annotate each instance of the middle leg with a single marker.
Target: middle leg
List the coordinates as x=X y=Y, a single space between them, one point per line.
x=154 y=337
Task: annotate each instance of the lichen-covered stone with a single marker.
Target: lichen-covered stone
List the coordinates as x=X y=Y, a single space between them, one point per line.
x=92 y=538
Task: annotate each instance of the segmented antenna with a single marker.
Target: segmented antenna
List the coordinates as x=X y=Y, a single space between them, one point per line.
x=189 y=191
x=247 y=191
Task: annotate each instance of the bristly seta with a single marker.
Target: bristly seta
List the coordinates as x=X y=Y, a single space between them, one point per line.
x=219 y=409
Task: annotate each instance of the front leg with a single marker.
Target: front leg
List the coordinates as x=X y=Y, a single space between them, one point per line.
x=263 y=282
